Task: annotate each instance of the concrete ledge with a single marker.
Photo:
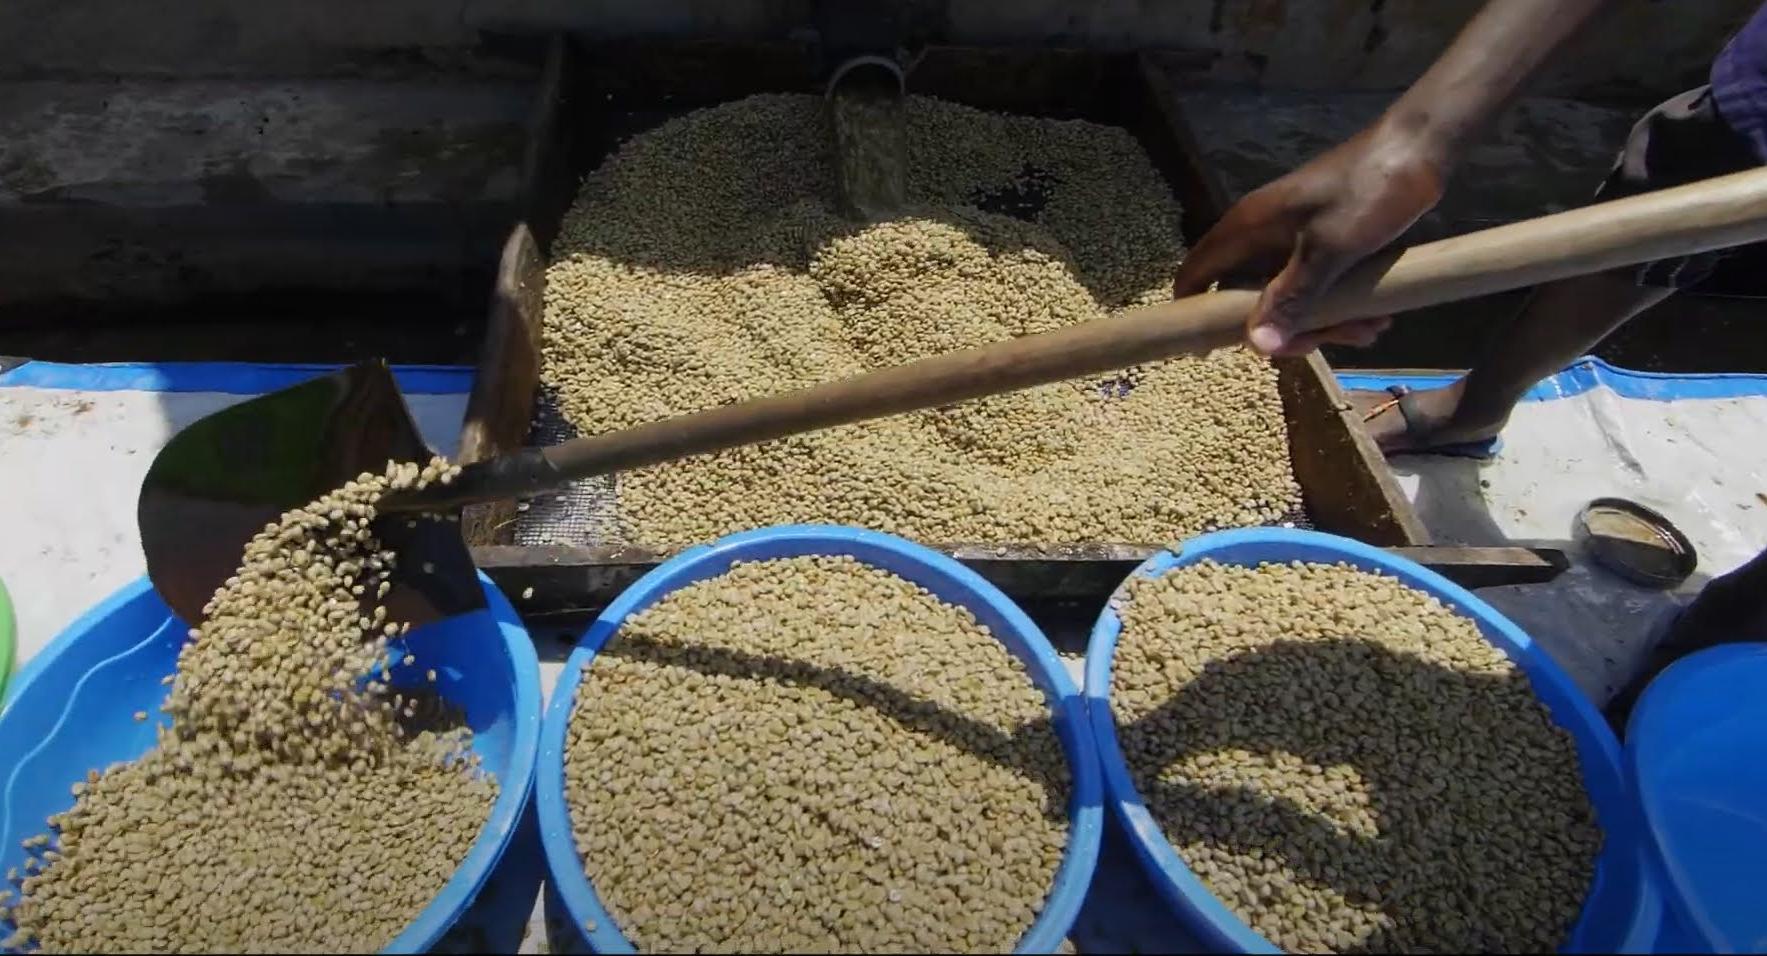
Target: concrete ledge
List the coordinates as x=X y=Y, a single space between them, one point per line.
x=161 y=191
x=1546 y=154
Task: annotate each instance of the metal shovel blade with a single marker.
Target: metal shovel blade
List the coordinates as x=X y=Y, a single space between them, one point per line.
x=224 y=477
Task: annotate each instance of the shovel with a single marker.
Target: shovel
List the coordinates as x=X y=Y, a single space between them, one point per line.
x=222 y=478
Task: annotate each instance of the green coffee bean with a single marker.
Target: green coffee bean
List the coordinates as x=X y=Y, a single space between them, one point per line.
x=283 y=810
x=1347 y=764
x=704 y=263
x=796 y=755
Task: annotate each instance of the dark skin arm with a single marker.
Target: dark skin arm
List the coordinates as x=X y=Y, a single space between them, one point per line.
x=1305 y=229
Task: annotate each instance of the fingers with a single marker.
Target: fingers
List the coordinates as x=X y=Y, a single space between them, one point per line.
x=1361 y=333
x=1281 y=314
x=1211 y=259
x=1277 y=226
x=1254 y=237
x=1358 y=333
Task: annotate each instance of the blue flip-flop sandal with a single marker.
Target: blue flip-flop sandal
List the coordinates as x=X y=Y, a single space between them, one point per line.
x=1406 y=399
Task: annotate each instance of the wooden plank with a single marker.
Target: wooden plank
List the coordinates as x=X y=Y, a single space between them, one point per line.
x=1489 y=567
x=501 y=405
x=1395 y=372
x=1346 y=485
x=600 y=94
x=502 y=399
x=573 y=578
x=1345 y=481
x=507 y=378
x=549 y=174
x=1166 y=133
x=562 y=578
x=570 y=579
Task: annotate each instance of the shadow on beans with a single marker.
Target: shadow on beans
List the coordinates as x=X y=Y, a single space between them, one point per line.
x=1018 y=751
x=1410 y=729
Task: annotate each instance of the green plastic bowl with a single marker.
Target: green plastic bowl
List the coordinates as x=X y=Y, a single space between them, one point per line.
x=5 y=640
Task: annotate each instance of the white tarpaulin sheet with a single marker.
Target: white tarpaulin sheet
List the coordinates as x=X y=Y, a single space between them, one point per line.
x=1692 y=447
x=75 y=441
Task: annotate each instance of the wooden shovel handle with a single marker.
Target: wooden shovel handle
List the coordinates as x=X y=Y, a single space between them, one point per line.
x=1713 y=214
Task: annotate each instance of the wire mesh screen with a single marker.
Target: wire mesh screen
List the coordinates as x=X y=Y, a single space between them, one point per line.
x=583 y=512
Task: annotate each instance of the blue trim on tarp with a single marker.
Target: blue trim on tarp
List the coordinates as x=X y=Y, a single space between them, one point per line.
x=233 y=378
x=245 y=378
x=1590 y=373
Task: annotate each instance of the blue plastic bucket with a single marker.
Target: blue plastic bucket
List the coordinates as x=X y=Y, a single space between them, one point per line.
x=1696 y=752
x=1623 y=908
x=72 y=710
x=570 y=890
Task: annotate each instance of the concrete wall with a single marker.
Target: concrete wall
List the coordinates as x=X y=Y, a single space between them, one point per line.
x=231 y=149
x=115 y=193
x=1642 y=45
x=1364 y=44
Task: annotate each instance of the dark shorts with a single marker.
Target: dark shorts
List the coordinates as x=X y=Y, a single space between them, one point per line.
x=1684 y=140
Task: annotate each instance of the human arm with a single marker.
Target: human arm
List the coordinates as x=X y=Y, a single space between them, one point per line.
x=1311 y=225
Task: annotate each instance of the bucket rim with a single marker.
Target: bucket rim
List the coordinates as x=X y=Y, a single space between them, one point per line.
x=1648 y=729
x=1086 y=810
x=1218 y=927
x=515 y=786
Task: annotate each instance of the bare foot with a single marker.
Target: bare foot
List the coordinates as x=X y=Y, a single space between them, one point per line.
x=1435 y=419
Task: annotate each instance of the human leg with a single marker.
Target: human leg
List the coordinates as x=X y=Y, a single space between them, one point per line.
x=1680 y=141
x=1557 y=324
x=1730 y=609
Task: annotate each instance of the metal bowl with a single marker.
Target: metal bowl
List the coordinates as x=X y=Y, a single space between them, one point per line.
x=1636 y=543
